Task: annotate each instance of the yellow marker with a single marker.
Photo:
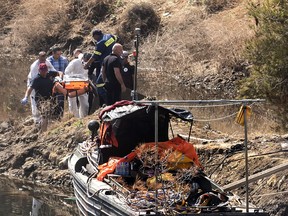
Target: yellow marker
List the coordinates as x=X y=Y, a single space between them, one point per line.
x=100 y=85
x=109 y=42
x=97 y=53
x=240 y=116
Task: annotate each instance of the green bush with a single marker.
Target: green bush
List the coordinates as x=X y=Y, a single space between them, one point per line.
x=268 y=55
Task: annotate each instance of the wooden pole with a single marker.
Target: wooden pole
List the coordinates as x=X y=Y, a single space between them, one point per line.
x=256 y=177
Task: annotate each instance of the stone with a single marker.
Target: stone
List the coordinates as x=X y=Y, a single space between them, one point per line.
x=284 y=146
x=28 y=168
x=63 y=164
x=285 y=136
x=53 y=157
x=4 y=125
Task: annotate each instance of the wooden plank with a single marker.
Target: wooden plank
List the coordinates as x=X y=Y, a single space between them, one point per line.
x=256 y=176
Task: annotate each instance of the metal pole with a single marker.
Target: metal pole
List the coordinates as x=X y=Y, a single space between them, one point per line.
x=221 y=101
x=190 y=131
x=134 y=92
x=246 y=158
x=156 y=152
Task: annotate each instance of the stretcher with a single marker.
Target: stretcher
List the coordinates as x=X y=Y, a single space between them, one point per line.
x=75 y=82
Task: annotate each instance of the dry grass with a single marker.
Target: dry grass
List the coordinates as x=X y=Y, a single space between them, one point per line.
x=193 y=44
x=38 y=25
x=37 y=22
x=7 y=11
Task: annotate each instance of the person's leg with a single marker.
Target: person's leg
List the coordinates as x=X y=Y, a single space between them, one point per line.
x=35 y=112
x=117 y=94
x=101 y=92
x=110 y=97
x=44 y=107
x=84 y=105
x=90 y=101
x=73 y=108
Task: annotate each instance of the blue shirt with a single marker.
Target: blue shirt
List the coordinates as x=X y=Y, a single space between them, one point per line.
x=104 y=47
x=59 y=64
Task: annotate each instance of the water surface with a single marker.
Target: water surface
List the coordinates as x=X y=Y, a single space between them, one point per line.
x=18 y=198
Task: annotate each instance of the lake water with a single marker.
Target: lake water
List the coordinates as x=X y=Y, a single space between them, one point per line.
x=18 y=198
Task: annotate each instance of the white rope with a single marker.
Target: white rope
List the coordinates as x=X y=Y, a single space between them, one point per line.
x=216 y=119
x=206 y=106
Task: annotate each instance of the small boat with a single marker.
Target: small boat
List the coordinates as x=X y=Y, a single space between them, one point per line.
x=134 y=166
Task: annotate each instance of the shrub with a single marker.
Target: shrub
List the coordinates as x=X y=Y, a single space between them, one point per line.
x=140 y=16
x=89 y=10
x=213 y=6
x=268 y=53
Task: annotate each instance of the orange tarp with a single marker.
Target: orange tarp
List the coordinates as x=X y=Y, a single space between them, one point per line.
x=176 y=144
x=106 y=134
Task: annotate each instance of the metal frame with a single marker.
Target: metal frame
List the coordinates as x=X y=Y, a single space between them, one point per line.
x=244 y=102
x=134 y=93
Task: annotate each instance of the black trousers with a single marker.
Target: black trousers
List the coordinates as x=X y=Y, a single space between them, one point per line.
x=113 y=93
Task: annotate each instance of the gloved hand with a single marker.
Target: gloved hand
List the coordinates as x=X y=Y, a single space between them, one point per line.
x=57 y=79
x=24 y=101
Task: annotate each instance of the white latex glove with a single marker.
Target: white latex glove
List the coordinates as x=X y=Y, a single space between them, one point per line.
x=57 y=79
x=24 y=101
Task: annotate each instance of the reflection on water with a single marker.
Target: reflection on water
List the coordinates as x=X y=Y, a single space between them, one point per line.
x=19 y=199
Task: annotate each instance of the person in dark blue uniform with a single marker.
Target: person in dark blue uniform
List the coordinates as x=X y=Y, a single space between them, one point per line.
x=103 y=48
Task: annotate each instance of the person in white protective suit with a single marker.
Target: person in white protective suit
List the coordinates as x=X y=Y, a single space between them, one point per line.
x=31 y=76
x=75 y=67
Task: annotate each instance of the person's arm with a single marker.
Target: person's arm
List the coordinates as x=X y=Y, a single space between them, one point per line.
x=66 y=62
x=29 y=79
x=88 y=63
x=24 y=101
x=69 y=69
x=32 y=73
x=96 y=56
x=118 y=76
x=28 y=92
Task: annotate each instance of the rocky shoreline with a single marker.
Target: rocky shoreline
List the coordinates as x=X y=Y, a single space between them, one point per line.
x=41 y=158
